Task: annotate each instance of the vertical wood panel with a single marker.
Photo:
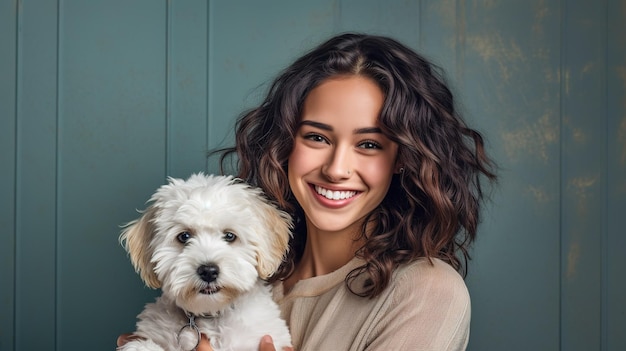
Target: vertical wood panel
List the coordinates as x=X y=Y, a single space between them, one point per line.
x=187 y=87
x=249 y=43
x=584 y=164
x=112 y=157
x=36 y=284
x=614 y=296
x=8 y=45
x=508 y=82
x=398 y=19
x=438 y=36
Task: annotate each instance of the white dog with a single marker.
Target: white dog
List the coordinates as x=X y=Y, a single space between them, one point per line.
x=208 y=243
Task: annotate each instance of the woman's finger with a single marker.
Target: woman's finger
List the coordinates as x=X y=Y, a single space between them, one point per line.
x=267 y=344
x=125 y=338
x=204 y=345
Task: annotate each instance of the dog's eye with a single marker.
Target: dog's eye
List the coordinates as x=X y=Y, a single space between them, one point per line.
x=229 y=237
x=184 y=237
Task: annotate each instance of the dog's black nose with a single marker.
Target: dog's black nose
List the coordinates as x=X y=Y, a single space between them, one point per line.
x=208 y=272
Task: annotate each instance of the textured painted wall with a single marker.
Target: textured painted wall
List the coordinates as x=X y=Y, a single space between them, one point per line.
x=101 y=100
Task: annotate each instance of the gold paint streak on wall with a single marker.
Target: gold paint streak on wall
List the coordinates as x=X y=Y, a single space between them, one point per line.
x=582 y=191
x=484 y=3
x=492 y=47
x=588 y=67
x=579 y=135
x=533 y=139
x=541 y=12
x=446 y=10
x=551 y=75
x=539 y=194
x=573 y=254
x=583 y=183
x=566 y=81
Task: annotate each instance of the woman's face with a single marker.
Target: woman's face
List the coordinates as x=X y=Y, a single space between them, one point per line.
x=341 y=164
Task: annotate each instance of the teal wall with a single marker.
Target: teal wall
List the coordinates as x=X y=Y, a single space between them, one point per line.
x=101 y=100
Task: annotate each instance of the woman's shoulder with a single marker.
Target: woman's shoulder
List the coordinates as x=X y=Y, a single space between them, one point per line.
x=425 y=307
x=428 y=269
x=431 y=279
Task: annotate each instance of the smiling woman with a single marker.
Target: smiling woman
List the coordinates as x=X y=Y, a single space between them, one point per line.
x=339 y=151
x=360 y=141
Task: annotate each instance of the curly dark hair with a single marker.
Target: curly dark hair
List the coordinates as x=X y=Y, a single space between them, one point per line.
x=432 y=208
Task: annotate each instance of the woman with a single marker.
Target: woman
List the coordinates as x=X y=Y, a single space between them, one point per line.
x=360 y=141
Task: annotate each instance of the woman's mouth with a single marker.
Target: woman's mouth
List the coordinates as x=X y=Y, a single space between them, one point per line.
x=334 y=194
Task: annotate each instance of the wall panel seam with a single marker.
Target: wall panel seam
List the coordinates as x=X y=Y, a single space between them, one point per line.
x=15 y=167
x=207 y=100
x=18 y=164
x=57 y=223
x=605 y=229
x=562 y=35
x=168 y=93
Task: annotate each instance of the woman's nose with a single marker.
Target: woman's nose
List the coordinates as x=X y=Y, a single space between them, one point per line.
x=338 y=166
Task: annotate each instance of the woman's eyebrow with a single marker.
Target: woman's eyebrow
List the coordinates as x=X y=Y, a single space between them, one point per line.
x=324 y=126
x=317 y=125
x=368 y=130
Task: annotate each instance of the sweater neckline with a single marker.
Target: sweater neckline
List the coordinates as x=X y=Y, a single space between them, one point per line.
x=320 y=284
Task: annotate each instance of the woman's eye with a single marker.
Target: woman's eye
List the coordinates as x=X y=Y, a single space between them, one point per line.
x=370 y=145
x=183 y=237
x=229 y=237
x=315 y=137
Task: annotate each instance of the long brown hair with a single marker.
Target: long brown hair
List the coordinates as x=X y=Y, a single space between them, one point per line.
x=432 y=207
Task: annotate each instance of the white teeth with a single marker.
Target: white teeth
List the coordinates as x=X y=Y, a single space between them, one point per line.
x=334 y=195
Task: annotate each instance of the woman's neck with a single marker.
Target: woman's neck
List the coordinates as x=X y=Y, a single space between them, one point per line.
x=325 y=252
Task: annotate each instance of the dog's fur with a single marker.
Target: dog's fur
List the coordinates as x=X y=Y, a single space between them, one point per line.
x=183 y=243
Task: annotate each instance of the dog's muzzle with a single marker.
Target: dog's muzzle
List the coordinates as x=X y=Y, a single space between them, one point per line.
x=209 y=273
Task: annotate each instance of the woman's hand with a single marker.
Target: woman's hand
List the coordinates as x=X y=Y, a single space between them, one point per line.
x=125 y=338
x=267 y=344
x=204 y=345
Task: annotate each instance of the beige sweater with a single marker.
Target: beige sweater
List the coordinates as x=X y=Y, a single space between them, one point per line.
x=425 y=307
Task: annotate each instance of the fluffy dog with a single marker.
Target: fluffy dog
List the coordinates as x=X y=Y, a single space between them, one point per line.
x=209 y=243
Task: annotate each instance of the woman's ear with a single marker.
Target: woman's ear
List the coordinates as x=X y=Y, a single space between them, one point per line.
x=136 y=239
x=399 y=169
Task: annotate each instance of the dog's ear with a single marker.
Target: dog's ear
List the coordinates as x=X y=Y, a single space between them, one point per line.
x=274 y=239
x=136 y=239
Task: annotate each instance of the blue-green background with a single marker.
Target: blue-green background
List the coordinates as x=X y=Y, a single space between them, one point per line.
x=100 y=100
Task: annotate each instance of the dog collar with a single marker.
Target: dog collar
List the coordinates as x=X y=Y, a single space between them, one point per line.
x=191 y=324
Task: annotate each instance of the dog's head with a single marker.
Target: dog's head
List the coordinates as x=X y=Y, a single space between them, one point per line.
x=207 y=239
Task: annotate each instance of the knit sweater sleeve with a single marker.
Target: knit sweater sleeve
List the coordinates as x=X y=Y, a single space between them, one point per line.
x=427 y=309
